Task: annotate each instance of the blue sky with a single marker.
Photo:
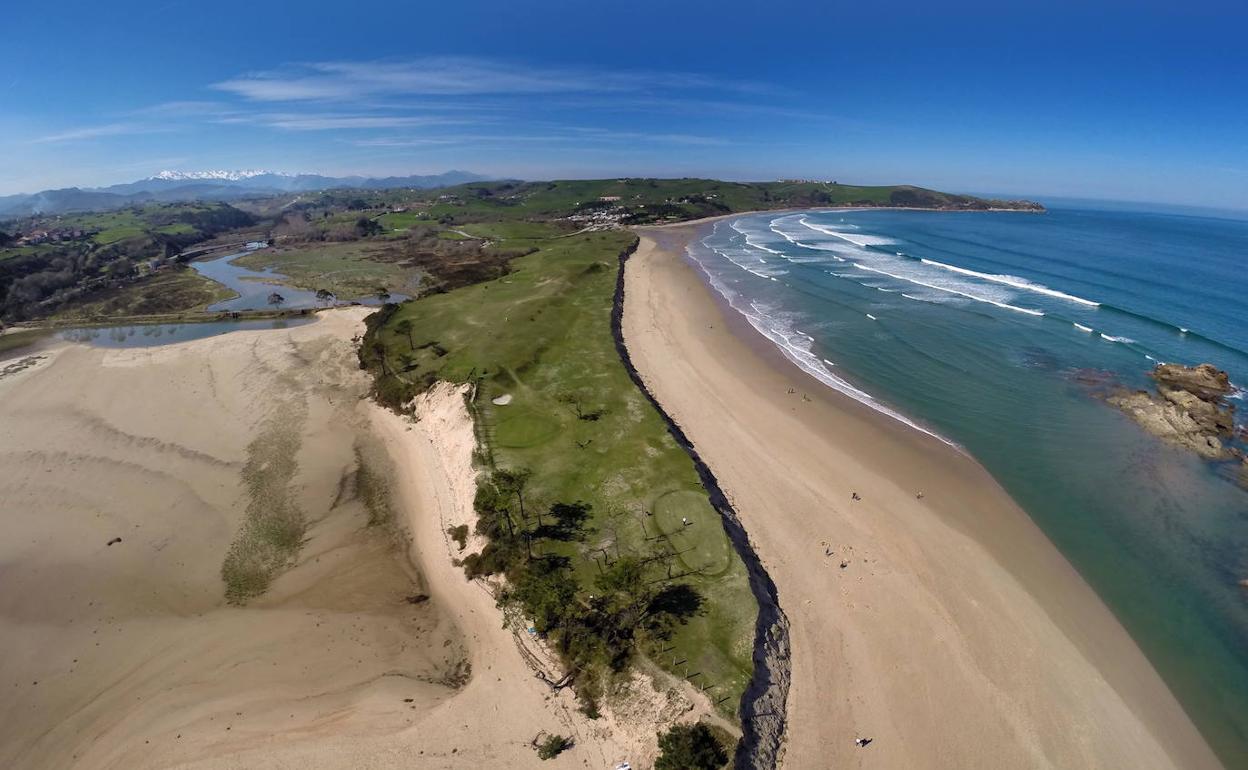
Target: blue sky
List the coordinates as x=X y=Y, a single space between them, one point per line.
x=1135 y=101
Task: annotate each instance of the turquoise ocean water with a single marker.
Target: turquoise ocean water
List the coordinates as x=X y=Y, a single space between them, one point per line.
x=983 y=328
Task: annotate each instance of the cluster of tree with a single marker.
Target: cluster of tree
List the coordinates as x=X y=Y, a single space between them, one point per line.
x=208 y=220
x=660 y=212
x=630 y=600
x=368 y=227
x=37 y=283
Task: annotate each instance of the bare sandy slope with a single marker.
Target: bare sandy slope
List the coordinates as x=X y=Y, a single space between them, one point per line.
x=955 y=635
x=493 y=721
x=126 y=655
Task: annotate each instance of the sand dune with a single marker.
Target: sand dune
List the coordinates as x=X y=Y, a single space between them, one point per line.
x=127 y=655
x=946 y=628
x=492 y=722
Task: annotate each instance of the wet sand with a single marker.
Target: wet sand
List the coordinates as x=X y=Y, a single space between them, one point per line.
x=946 y=628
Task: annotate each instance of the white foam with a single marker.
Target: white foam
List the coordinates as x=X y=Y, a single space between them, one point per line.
x=804 y=244
x=873 y=318
x=968 y=295
x=1014 y=281
x=772 y=326
x=1082 y=328
x=857 y=240
x=750 y=264
x=751 y=243
x=1111 y=338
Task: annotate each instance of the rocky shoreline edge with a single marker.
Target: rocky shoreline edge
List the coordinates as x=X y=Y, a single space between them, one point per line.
x=763 y=704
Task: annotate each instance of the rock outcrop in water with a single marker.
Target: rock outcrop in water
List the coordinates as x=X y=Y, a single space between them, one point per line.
x=1189 y=409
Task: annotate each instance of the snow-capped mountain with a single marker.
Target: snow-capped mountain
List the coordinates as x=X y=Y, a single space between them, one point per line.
x=220 y=175
x=170 y=186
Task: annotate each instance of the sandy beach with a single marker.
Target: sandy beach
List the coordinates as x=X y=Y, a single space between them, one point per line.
x=125 y=478
x=123 y=487
x=947 y=628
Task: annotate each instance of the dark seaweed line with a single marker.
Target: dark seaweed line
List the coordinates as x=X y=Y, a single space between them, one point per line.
x=763 y=704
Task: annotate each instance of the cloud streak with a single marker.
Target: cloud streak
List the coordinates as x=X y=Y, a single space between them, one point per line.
x=452 y=76
x=569 y=136
x=293 y=121
x=96 y=132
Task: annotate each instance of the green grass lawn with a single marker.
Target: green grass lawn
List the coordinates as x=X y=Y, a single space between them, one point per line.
x=542 y=334
x=343 y=268
x=14 y=252
x=118 y=233
x=403 y=220
x=507 y=231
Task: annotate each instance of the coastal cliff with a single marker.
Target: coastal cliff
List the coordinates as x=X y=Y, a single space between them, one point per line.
x=1189 y=409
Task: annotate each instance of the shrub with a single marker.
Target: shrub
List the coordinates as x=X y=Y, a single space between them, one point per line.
x=690 y=747
x=553 y=746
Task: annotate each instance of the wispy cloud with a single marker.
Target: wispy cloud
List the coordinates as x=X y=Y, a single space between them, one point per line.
x=198 y=112
x=96 y=132
x=452 y=76
x=187 y=109
x=315 y=122
x=570 y=136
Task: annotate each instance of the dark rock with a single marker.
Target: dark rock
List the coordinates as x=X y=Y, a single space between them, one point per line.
x=1188 y=410
x=1204 y=381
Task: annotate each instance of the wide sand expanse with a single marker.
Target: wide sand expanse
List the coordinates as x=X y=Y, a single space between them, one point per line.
x=947 y=628
x=370 y=651
x=124 y=476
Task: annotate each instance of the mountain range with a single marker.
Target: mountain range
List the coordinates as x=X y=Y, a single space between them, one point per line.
x=180 y=186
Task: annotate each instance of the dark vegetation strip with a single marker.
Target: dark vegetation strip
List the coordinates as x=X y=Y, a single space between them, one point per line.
x=764 y=702
x=274 y=525
x=555 y=498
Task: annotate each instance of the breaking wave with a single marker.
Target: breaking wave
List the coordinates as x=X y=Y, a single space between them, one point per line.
x=1014 y=281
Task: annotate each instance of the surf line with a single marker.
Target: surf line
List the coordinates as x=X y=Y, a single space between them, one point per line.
x=1026 y=310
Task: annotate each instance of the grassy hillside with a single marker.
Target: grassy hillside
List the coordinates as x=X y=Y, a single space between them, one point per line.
x=541 y=335
x=641 y=201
